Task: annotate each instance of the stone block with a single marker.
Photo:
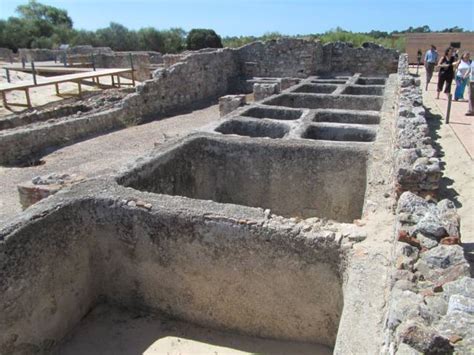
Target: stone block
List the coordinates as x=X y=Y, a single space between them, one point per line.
x=262 y=91
x=229 y=103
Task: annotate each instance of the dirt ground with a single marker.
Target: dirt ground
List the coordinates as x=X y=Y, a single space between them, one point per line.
x=101 y=155
x=107 y=330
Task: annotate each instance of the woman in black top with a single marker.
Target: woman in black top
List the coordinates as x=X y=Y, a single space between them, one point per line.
x=446 y=71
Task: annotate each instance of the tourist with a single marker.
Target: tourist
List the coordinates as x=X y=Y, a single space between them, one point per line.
x=462 y=75
x=446 y=72
x=470 y=111
x=431 y=58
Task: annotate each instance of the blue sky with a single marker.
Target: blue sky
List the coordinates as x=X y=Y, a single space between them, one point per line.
x=255 y=17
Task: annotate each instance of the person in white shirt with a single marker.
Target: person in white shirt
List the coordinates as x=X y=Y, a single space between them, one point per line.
x=462 y=75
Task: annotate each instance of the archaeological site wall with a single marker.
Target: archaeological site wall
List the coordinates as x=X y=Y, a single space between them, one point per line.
x=196 y=78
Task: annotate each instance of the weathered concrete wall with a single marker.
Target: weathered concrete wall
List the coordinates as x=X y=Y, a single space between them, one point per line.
x=341 y=57
x=216 y=269
x=261 y=175
x=58 y=280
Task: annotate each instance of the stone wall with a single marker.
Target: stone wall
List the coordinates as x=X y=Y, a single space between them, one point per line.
x=417 y=167
x=199 y=77
x=371 y=59
x=89 y=50
x=431 y=302
x=280 y=58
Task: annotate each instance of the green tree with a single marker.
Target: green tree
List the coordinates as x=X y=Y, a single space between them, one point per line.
x=200 y=38
x=39 y=13
x=174 y=40
x=150 y=39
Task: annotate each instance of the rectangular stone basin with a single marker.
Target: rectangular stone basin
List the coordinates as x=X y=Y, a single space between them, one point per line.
x=293 y=180
x=347 y=116
x=371 y=81
x=340 y=132
x=273 y=113
x=364 y=90
x=315 y=101
x=253 y=128
x=316 y=89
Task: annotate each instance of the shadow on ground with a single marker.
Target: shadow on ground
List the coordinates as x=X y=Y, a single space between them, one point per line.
x=445 y=189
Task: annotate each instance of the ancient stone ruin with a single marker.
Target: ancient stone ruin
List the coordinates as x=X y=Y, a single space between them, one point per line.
x=299 y=216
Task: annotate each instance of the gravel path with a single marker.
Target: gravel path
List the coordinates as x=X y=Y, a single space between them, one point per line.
x=101 y=155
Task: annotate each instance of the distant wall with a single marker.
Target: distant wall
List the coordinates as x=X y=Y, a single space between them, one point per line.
x=341 y=57
x=280 y=58
x=38 y=55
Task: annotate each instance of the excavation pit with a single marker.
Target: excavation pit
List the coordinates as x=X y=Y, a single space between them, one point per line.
x=316 y=101
x=273 y=113
x=315 y=89
x=364 y=90
x=338 y=132
x=347 y=116
x=291 y=179
x=252 y=128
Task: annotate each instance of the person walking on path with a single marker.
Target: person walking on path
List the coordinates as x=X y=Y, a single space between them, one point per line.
x=462 y=75
x=446 y=72
x=431 y=58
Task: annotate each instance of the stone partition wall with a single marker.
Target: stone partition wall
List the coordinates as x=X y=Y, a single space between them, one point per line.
x=197 y=78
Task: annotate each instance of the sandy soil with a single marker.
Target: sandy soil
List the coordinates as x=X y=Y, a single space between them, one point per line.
x=108 y=330
x=40 y=95
x=101 y=155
